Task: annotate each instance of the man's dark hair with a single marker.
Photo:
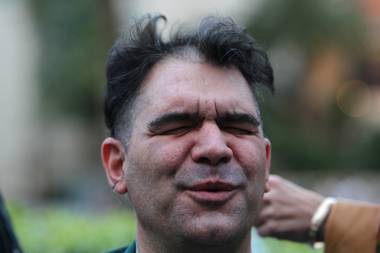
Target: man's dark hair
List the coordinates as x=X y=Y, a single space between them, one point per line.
x=217 y=41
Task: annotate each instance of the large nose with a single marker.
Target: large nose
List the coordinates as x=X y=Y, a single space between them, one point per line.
x=211 y=146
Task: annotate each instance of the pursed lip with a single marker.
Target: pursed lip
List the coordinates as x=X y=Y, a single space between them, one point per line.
x=211 y=192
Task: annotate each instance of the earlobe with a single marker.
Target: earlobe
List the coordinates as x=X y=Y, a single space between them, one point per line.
x=113 y=156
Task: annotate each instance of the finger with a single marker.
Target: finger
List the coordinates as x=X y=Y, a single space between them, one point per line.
x=266 y=229
x=284 y=229
x=267 y=213
x=270 y=195
x=267 y=199
x=274 y=181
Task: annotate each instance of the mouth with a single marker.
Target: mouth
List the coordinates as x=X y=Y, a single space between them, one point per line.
x=212 y=192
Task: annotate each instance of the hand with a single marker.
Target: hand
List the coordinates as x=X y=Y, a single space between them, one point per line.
x=287 y=210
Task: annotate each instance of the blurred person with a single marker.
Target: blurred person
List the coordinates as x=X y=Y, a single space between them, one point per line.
x=8 y=239
x=294 y=213
x=187 y=143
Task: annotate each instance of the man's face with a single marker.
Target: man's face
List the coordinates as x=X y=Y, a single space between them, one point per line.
x=197 y=161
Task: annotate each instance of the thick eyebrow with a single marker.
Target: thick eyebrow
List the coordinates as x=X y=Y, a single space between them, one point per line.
x=172 y=117
x=242 y=118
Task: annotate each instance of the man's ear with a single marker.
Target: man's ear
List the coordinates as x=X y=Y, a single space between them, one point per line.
x=113 y=157
x=267 y=161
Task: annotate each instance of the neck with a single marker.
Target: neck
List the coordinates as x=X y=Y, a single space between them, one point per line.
x=157 y=243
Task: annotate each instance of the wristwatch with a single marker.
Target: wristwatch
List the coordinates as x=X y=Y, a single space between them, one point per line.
x=318 y=219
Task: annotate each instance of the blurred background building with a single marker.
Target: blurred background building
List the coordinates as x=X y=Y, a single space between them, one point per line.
x=324 y=120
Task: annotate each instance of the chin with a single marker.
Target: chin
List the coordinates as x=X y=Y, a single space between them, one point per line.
x=215 y=230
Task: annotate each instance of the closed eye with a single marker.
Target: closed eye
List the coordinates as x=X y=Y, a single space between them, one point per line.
x=173 y=123
x=239 y=123
x=239 y=130
x=174 y=130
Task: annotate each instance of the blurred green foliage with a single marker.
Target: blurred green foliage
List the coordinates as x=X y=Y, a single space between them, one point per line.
x=75 y=37
x=309 y=24
x=295 y=146
x=279 y=246
x=62 y=230
x=304 y=138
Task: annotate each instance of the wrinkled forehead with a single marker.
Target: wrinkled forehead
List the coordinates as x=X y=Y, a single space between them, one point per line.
x=200 y=87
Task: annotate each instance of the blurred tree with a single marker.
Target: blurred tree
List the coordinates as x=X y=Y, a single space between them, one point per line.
x=325 y=34
x=309 y=24
x=75 y=37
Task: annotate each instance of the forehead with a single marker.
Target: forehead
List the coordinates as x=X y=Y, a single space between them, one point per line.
x=175 y=84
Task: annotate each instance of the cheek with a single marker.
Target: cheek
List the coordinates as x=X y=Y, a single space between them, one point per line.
x=251 y=155
x=168 y=155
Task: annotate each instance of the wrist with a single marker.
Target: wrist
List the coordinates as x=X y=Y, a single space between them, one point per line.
x=318 y=220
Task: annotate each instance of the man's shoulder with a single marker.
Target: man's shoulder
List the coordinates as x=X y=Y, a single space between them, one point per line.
x=128 y=249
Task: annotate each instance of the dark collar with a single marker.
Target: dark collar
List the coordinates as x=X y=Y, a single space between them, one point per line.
x=131 y=248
